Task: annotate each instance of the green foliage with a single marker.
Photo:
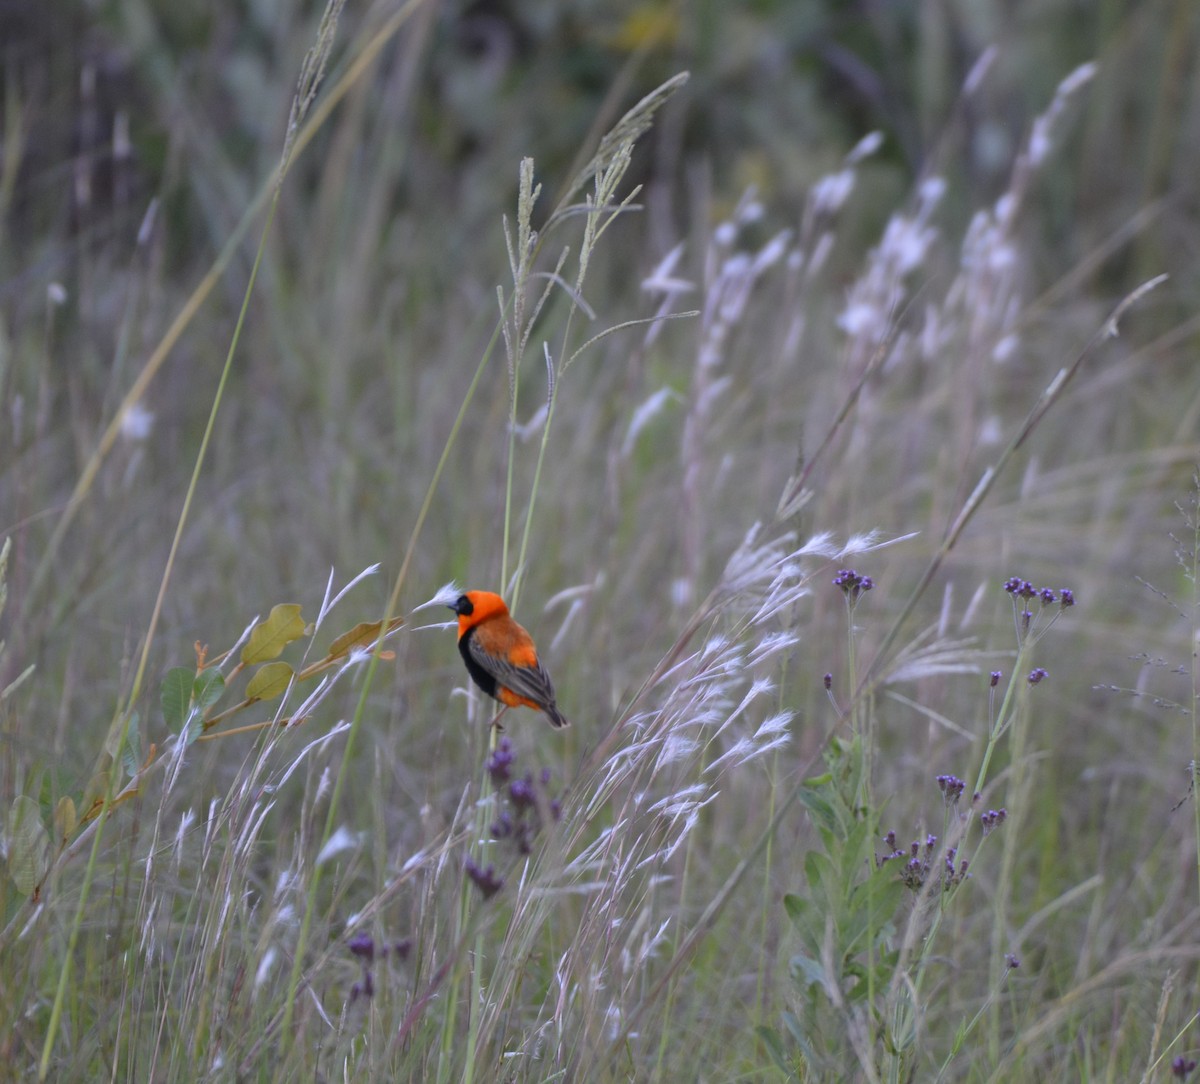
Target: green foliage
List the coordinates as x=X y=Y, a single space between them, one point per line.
x=176 y=697
x=845 y=921
x=28 y=844
x=270 y=681
x=185 y=698
x=269 y=637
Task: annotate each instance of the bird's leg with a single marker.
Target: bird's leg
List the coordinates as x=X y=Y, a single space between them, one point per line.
x=496 y=721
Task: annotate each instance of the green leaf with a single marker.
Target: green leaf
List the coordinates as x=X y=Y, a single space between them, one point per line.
x=66 y=819
x=28 y=844
x=819 y=806
x=364 y=635
x=95 y=792
x=822 y=881
x=176 y=697
x=131 y=752
x=796 y=907
x=806 y=918
x=122 y=734
x=207 y=689
x=797 y=1032
x=857 y=989
x=807 y=971
x=769 y=1037
x=270 y=637
x=270 y=681
x=812 y=868
x=860 y=846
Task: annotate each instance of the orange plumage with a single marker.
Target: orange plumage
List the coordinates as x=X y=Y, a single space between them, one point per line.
x=501 y=657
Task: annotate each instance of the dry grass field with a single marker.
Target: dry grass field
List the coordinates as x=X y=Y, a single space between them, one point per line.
x=818 y=384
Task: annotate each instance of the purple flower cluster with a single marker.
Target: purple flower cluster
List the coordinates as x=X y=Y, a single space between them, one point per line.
x=992 y=819
x=1025 y=593
x=486 y=880
x=1023 y=589
x=499 y=764
x=363 y=948
x=951 y=787
x=852 y=584
x=918 y=862
x=523 y=801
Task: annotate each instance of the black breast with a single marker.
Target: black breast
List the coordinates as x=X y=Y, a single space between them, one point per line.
x=481 y=677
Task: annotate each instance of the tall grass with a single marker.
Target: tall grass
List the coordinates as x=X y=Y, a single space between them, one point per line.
x=849 y=795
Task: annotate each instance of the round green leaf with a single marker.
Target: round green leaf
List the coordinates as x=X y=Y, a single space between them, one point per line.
x=269 y=682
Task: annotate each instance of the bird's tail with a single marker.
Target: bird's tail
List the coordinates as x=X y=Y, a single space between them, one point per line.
x=557 y=719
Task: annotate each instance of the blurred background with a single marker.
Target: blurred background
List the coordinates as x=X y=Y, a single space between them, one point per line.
x=137 y=135
x=140 y=140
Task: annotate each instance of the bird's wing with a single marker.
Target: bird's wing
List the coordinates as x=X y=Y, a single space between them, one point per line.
x=526 y=676
x=529 y=681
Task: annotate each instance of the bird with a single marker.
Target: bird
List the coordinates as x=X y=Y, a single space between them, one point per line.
x=501 y=657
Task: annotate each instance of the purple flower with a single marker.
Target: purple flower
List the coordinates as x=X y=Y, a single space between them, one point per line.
x=951 y=787
x=520 y=801
x=499 y=764
x=852 y=584
x=362 y=945
x=992 y=819
x=1036 y=675
x=484 y=879
x=503 y=826
x=1019 y=587
x=522 y=794
x=1046 y=596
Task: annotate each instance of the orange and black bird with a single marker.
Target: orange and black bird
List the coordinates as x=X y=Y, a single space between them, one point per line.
x=501 y=656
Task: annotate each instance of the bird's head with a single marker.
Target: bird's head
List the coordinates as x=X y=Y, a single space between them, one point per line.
x=476 y=606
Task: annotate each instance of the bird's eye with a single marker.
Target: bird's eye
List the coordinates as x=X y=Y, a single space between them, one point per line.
x=463 y=606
